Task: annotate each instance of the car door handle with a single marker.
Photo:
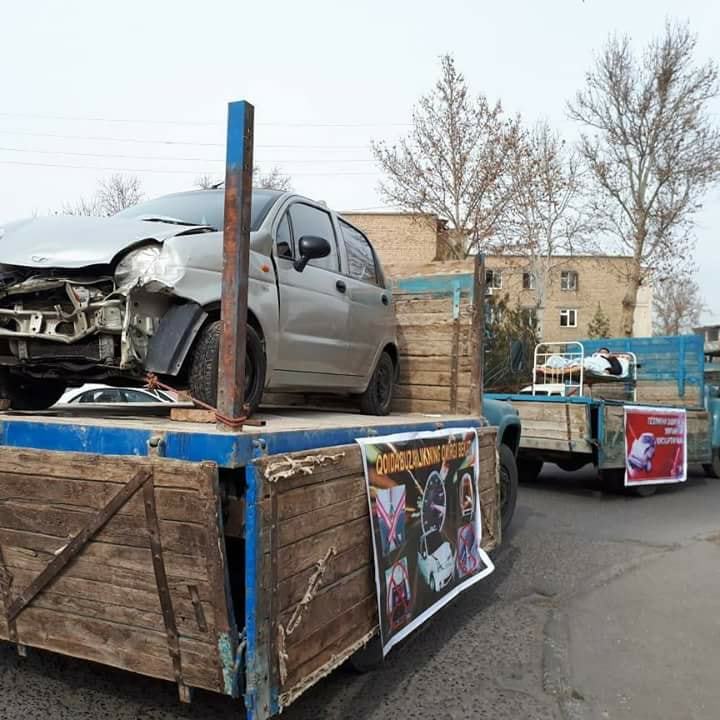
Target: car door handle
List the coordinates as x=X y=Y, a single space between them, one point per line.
x=384 y=299
x=341 y=286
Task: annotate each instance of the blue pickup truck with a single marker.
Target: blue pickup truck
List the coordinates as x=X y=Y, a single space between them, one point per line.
x=573 y=418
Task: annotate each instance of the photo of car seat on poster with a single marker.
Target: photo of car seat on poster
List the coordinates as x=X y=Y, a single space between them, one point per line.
x=426 y=524
x=655 y=445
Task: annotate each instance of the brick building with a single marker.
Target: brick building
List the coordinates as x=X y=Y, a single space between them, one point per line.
x=576 y=286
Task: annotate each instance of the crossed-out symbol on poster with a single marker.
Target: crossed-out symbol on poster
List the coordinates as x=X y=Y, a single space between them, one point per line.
x=391 y=520
x=467 y=558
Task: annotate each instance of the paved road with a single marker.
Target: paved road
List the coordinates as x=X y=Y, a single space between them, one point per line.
x=602 y=607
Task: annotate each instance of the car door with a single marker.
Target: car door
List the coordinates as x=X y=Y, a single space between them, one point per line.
x=370 y=309
x=314 y=305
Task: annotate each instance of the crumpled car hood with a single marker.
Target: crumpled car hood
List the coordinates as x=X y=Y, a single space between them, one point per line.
x=66 y=241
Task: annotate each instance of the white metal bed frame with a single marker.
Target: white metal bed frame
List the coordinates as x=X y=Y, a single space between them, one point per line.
x=573 y=352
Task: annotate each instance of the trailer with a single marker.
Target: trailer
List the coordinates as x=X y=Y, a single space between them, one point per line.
x=226 y=552
x=574 y=417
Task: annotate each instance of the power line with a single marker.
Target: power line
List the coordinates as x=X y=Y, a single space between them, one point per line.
x=146 y=141
x=196 y=123
x=173 y=171
x=285 y=161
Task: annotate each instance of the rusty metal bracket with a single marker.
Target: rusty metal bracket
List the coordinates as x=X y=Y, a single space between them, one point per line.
x=168 y=613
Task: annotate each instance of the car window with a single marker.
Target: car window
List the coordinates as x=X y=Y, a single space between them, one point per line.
x=283 y=239
x=360 y=256
x=100 y=395
x=138 y=396
x=308 y=220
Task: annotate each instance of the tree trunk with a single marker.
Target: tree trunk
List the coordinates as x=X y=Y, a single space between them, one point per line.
x=629 y=303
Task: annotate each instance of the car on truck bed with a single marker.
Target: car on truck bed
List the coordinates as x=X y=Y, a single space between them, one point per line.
x=86 y=299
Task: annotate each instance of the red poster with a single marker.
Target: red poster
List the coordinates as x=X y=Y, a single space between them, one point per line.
x=655 y=445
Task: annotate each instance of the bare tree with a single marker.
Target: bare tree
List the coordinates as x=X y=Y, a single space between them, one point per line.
x=113 y=195
x=651 y=148
x=677 y=305
x=546 y=219
x=206 y=181
x=454 y=162
x=275 y=179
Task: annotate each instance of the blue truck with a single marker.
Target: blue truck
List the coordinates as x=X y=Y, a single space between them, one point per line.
x=573 y=418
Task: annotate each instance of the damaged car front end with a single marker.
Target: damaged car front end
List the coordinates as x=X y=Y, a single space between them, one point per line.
x=62 y=326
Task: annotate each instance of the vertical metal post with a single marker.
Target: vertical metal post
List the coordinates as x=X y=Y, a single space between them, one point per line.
x=236 y=260
x=477 y=337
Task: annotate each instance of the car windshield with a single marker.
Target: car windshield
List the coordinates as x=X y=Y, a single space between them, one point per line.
x=200 y=207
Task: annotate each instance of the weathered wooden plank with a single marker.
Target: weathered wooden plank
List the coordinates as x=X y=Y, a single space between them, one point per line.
x=300 y=555
x=292 y=589
x=303 y=526
x=355 y=621
x=310 y=499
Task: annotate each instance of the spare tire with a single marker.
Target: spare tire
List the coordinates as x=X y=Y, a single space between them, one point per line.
x=204 y=366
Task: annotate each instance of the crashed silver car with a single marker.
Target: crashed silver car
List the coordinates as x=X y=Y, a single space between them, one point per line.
x=86 y=299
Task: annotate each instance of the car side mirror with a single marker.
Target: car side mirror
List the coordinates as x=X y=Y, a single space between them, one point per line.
x=311 y=247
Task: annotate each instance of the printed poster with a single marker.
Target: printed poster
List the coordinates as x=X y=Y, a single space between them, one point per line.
x=655 y=445
x=426 y=524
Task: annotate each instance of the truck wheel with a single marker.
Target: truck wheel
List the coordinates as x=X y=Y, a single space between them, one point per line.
x=34 y=394
x=368 y=658
x=378 y=396
x=204 y=366
x=529 y=468
x=508 y=486
x=712 y=469
x=613 y=481
x=572 y=464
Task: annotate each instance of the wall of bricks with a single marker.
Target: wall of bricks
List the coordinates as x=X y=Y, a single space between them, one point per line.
x=399 y=236
x=405 y=241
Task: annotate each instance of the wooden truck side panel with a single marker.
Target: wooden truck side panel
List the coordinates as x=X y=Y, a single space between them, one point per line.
x=317 y=572
x=555 y=426
x=118 y=560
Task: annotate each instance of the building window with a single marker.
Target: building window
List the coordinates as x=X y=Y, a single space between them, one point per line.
x=568 y=318
x=528 y=281
x=493 y=279
x=569 y=280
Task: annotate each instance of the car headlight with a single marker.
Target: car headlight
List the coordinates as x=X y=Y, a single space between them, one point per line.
x=135 y=265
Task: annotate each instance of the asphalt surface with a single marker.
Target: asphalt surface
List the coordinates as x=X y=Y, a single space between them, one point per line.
x=601 y=607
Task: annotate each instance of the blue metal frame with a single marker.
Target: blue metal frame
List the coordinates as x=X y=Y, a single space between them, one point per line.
x=228 y=450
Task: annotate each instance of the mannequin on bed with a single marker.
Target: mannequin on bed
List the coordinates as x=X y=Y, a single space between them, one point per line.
x=614 y=366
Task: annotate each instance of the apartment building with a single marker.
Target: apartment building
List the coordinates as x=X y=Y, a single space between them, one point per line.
x=573 y=290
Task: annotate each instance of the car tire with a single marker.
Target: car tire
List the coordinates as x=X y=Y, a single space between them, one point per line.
x=529 y=468
x=712 y=469
x=204 y=361
x=34 y=394
x=377 y=398
x=508 y=486
x=613 y=481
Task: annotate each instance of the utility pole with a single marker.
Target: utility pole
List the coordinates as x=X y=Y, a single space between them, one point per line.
x=236 y=263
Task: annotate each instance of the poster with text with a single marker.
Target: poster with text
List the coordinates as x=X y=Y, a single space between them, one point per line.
x=426 y=524
x=655 y=445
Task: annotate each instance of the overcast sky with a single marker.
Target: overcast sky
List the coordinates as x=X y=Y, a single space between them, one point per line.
x=88 y=88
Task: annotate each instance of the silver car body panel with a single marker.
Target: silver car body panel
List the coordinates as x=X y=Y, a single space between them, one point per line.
x=315 y=335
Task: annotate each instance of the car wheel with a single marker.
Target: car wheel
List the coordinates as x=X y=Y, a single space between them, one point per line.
x=508 y=486
x=712 y=469
x=377 y=398
x=34 y=394
x=529 y=468
x=204 y=366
